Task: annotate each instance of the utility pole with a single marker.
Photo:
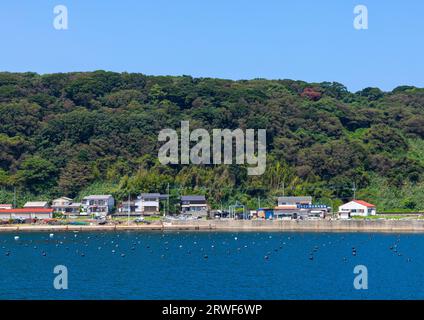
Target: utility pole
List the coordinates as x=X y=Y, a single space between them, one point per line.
x=14 y=197
x=259 y=202
x=283 y=188
x=129 y=208
x=354 y=191
x=167 y=200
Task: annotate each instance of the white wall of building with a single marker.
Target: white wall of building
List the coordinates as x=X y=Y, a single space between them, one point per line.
x=356 y=209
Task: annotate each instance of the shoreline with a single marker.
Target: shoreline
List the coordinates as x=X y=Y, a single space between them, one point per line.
x=384 y=226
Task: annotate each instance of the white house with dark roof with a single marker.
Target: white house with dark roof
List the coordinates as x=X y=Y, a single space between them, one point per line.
x=149 y=203
x=66 y=205
x=194 y=205
x=99 y=205
x=145 y=204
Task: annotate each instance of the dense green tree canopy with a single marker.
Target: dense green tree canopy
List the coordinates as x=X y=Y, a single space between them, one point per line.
x=65 y=133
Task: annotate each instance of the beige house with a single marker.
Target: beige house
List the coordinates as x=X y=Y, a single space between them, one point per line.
x=65 y=205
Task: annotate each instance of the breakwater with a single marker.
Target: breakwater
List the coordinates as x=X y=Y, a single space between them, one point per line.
x=244 y=225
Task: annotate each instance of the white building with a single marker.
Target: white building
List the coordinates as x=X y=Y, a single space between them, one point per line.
x=149 y=203
x=357 y=208
x=194 y=205
x=26 y=213
x=65 y=205
x=145 y=204
x=99 y=205
x=294 y=201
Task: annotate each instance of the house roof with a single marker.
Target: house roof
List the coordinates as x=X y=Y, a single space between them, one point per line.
x=35 y=204
x=193 y=198
x=291 y=199
x=75 y=204
x=149 y=195
x=364 y=203
x=27 y=210
x=98 y=197
x=70 y=205
x=63 y=198
x=153 y=195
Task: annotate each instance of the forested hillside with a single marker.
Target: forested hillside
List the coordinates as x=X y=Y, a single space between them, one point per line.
x=96 y=132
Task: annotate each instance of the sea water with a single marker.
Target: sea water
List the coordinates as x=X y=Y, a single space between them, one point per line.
x=211 y=265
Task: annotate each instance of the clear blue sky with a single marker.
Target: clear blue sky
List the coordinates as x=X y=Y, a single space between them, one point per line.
x=311 y=40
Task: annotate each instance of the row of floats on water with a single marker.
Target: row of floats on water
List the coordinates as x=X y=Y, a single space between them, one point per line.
x=393 y=248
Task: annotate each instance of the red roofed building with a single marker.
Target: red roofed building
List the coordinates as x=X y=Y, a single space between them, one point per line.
x=357 y=208
x=26 y=213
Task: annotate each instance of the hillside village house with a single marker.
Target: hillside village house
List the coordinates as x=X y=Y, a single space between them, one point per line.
x=65 y=206
x=99 y=205
x=145 y=204
x=126 y=207
x=293 y=208
x=36 y=204
x=31 y=210
x=149 y=203
x=6 y=206
x=357 y=208
x=194 y=206
x=289 y=208
x=26 y=213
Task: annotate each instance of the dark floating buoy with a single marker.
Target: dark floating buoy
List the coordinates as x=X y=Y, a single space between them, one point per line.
x=122 y=254
x=311 y=257
x=82 y=255
x=205 y=256
x=266 y=257
x=7 y=253
x=44 y=254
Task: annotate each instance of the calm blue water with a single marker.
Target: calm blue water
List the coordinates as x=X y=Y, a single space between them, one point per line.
x=172 y=265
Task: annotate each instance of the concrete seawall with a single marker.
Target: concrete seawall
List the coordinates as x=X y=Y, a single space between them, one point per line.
x=240 y=225
x=314 y=225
